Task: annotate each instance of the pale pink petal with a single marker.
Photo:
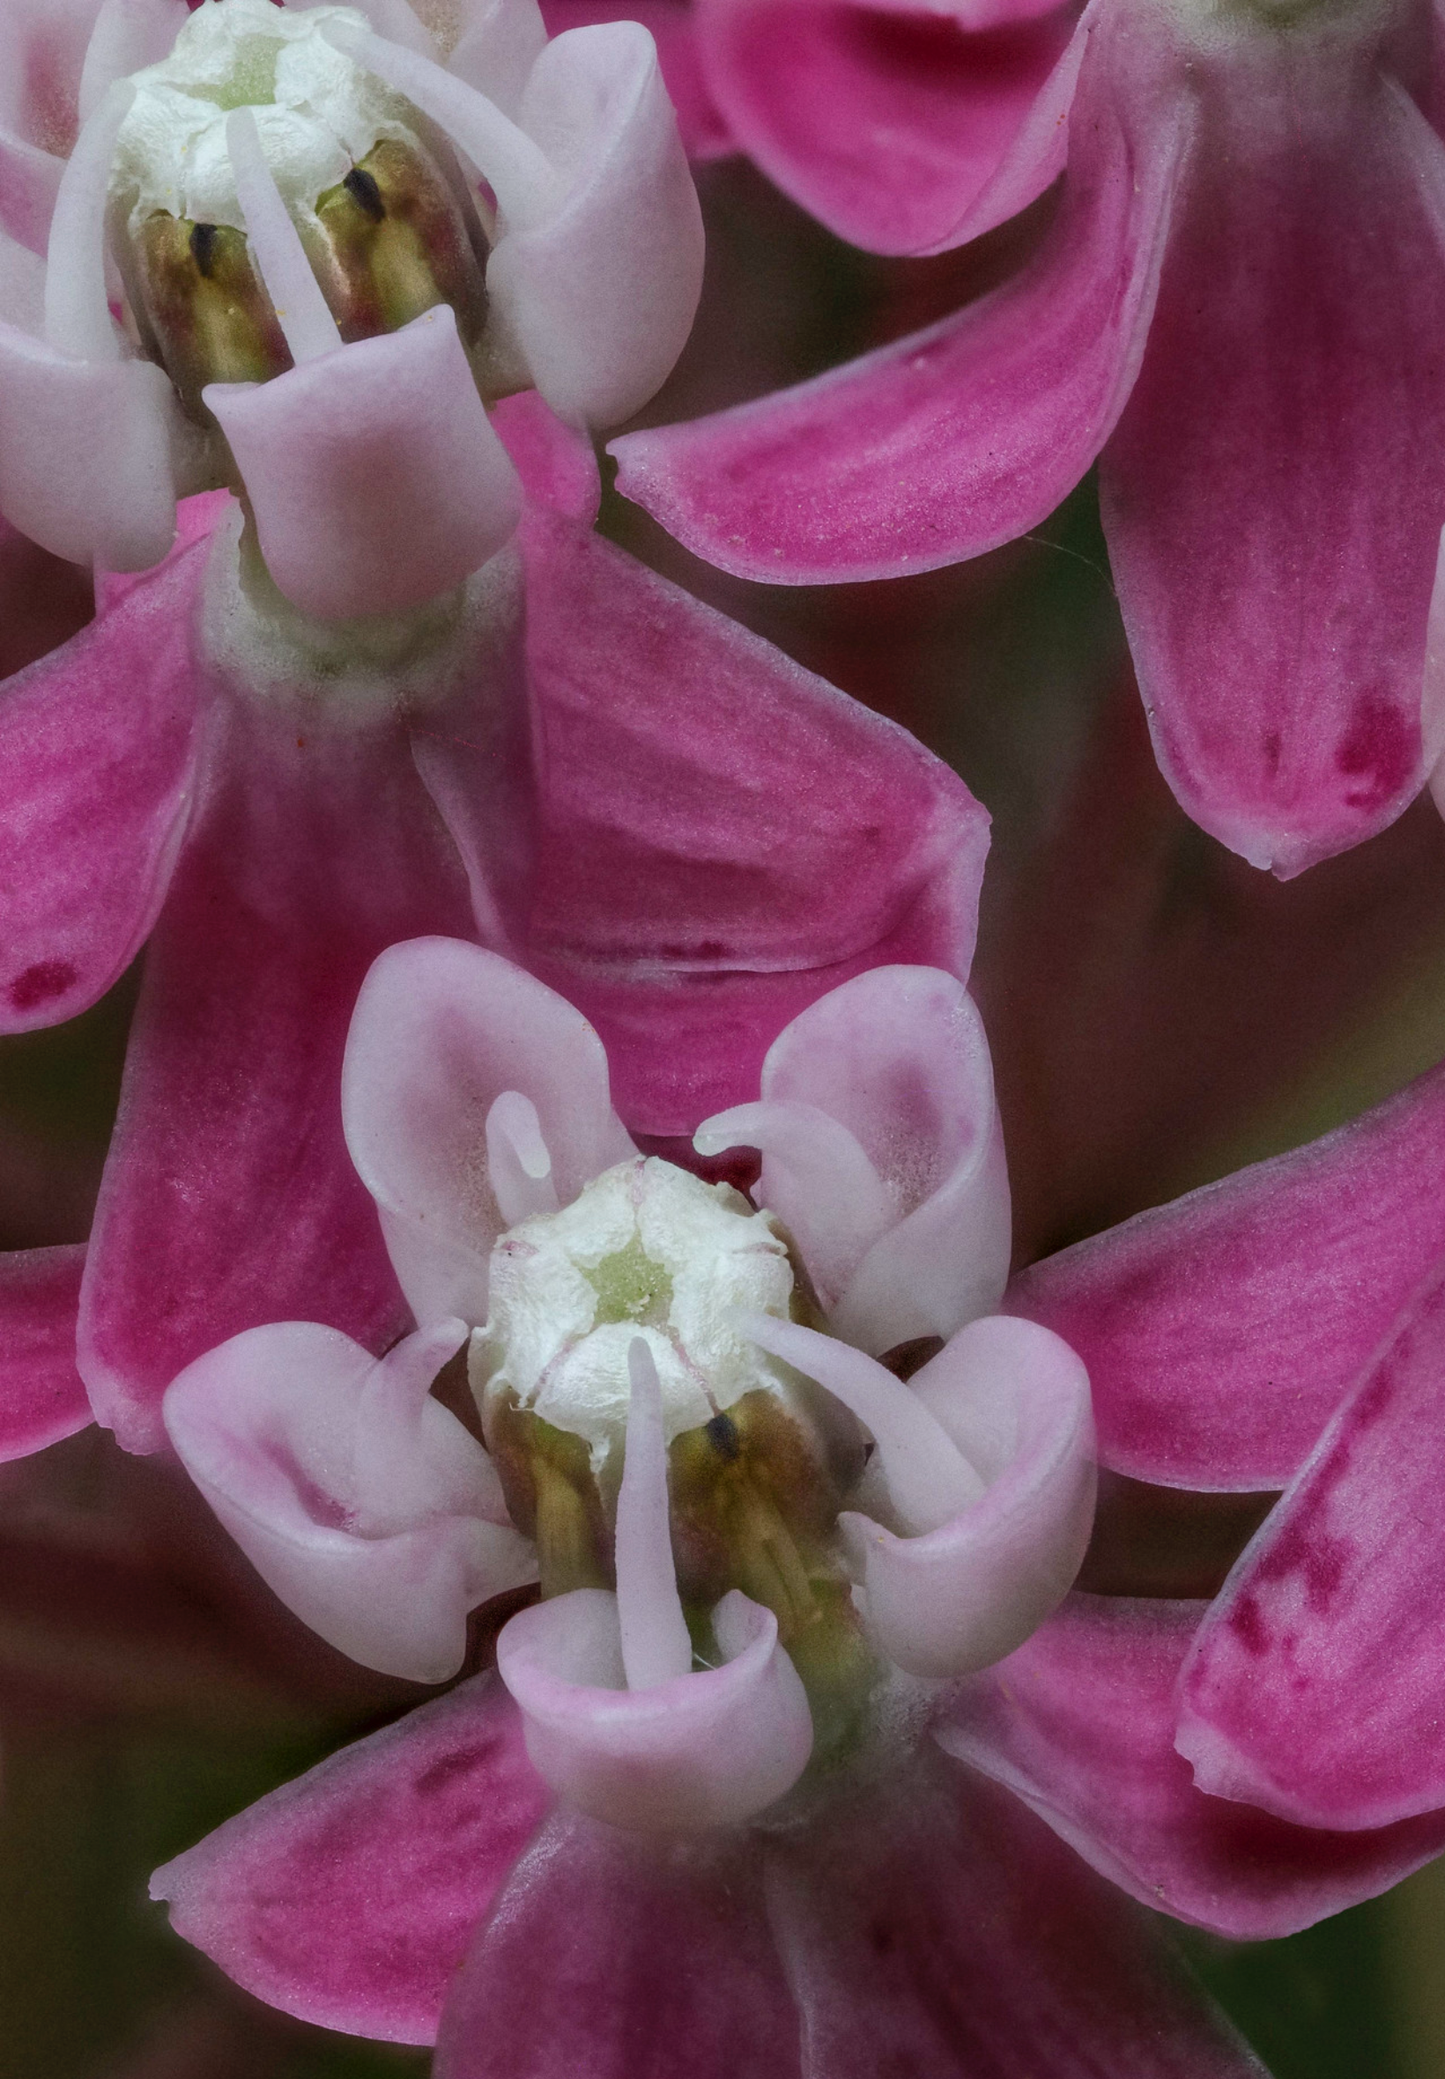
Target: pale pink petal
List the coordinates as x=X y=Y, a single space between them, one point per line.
x=42 y=55
x=696 y=1751
x=685 y=902
x=1315 y=1688
x=349 y=1897
x=1221 y=1332
x=85 y=453
x=600 y=296
x=915 y=1240
x=314 y=850
x=613 y=1956
x=932 y=1925
x=356 y=1495
x=1016 y=1402
x=1080 y=1723
x=961 y=437
x=98 y=744
x=442 y=1030
x=1274 y=492
x=41 y=1395
x=887 y=121
x=376 y=478
x=699 y=120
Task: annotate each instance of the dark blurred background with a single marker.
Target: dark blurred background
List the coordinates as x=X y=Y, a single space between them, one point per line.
x=1159 y=1013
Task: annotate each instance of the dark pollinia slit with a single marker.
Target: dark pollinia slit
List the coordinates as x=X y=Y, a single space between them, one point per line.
x=203 y=246
x=364 y=192
x=722 y=1434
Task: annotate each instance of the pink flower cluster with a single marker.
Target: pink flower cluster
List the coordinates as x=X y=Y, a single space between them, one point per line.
x=557 y=1213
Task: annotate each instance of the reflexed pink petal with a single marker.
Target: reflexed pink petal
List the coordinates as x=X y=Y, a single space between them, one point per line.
x=947 y=443
x=1274 y=493
x=1221 y=1332
x=375 y=475
x=349 y=1897
x=1315 y=1689
x=1080 y=1723
x=441 y=1030
x=355 y=1494
x=98 y=744
x=1016 y=1402
x=704 y=132
x=886 y=121
x=697 y=1751
x=314 y=850
x=41 y=1395
x=556 y=462
x=688 y=905
x=936 y=1927
x=898 y=1057
x=614 y=1956
x=601 y=296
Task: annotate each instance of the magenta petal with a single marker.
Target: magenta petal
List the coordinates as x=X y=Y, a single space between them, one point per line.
x=41 y=1395
x=685 y=902
x=98 y=748
x=1220 y=1332
x=961 y=437
x=314 y=851
x=349 y=1896
x=935 y=1927
x=1315 y=1688
x=1079 y=1723
x=615 y=1957
x=885 y=121
x=1274 y=494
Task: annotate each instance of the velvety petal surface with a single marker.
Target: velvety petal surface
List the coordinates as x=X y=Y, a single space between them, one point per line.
x=315 y=848
x=1315 y=1688
x=934 y=1926
x=951 y=441
x=42 y=1398
x=615 y=1956
x=442 y=1031
x=98 y=744
x=1274 y=493
x=1221 y=1331
x=1080 y=1724
x=349 y=1897
x=885 y=121
x=685 y=902
x=42 y=54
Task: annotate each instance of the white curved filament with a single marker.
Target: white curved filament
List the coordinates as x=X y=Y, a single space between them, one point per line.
x=301 y=309
x=519 y=1163
x=929 y=1479
x=77 y=310
x=655 y=1642
x=523 y=179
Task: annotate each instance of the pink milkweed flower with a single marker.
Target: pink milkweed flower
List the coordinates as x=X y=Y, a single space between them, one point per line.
x=317 y=300
x=265 y=838
x=694 y=1819
x=1236 y=305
